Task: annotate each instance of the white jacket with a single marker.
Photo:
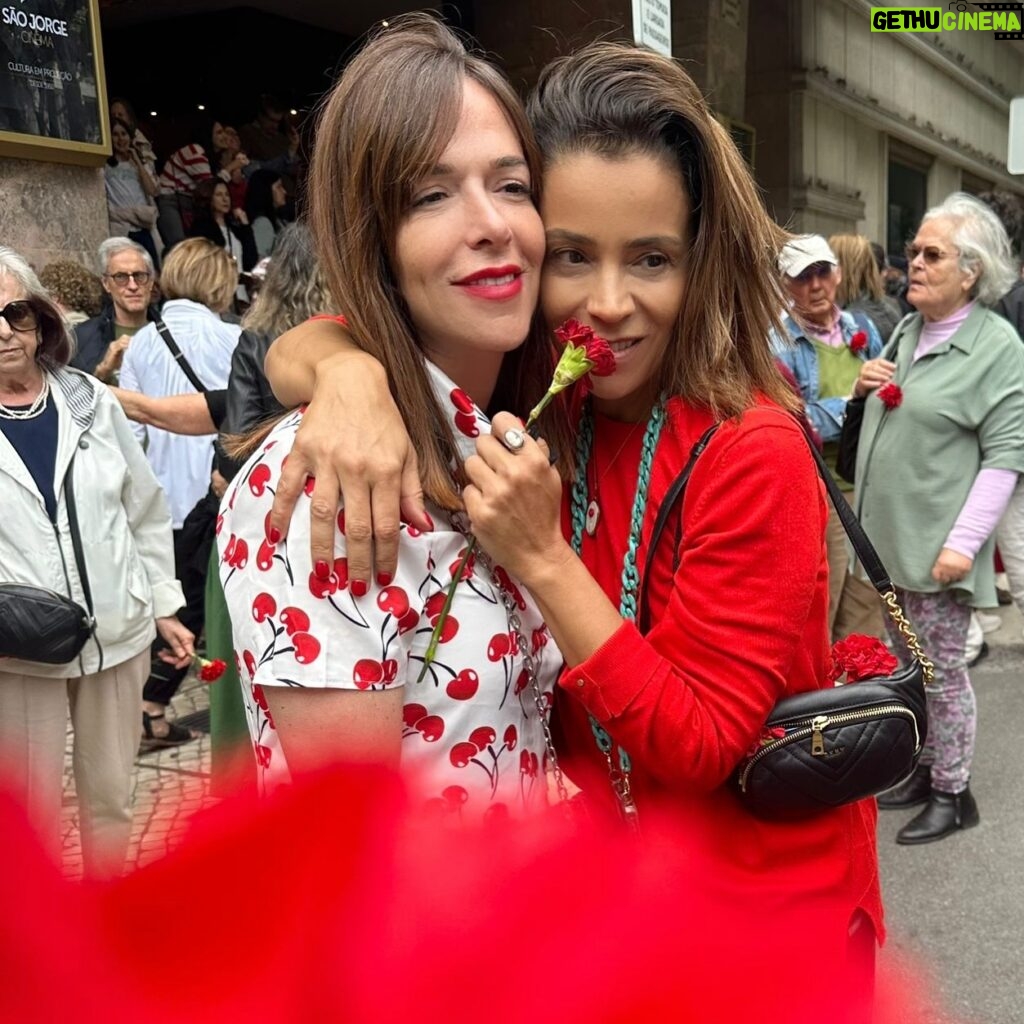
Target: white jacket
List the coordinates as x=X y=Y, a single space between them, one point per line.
x=123 y=519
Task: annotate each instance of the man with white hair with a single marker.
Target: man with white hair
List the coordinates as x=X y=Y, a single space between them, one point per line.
x=126 y=271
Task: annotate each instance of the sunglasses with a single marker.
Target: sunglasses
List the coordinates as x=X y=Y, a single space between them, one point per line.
x=121 y=278
x=20 y=315
x=932 y=254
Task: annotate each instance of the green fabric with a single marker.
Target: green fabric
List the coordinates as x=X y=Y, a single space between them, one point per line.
x=838 y=370
x=228 y=727
x=962 y=411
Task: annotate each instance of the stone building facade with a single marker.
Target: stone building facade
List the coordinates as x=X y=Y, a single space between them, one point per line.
x=847 y=130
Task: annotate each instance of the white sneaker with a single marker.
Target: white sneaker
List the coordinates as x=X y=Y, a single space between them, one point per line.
x=989 y=623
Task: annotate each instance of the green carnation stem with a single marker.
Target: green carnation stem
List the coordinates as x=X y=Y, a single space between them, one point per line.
x=435 y=635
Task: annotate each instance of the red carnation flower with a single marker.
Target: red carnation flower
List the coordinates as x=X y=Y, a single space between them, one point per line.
x=891 y=395
x=859 y=342
x=211 y=671
x=861 y=657
x=596 y=349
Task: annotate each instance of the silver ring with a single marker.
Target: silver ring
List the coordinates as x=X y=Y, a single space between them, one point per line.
x=514 y=440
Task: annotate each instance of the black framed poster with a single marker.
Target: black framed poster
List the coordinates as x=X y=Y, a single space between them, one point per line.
x=53 y=103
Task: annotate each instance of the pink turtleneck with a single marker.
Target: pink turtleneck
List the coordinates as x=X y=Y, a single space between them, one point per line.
x=992 y=488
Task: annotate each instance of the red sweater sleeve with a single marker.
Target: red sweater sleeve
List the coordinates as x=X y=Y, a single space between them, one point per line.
x=744 y=624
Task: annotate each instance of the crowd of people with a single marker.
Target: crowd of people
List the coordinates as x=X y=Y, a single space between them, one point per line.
x=395 y=571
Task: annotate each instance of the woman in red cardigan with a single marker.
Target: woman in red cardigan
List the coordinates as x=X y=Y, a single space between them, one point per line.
x=656 y=238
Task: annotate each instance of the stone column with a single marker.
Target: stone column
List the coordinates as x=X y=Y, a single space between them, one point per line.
x=52 y=211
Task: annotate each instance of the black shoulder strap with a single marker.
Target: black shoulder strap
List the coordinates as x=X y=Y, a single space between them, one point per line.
x=861 y=544
x=76 y=544
x=179 y=356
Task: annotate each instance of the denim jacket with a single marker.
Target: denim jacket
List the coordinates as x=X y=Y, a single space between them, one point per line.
x=799 y=354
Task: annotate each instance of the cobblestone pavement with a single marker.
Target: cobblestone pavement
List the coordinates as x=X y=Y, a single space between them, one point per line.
x=169 y=785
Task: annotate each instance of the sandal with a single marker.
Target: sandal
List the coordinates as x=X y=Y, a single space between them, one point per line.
x=175 y=733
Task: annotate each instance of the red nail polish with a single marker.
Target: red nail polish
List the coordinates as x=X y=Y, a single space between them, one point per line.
x=429 y=520
x=322 y=570
x=274 y=535
x=384 y=578
x=358 y=588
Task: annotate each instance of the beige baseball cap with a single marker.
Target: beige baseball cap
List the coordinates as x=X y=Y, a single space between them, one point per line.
x=804 y=252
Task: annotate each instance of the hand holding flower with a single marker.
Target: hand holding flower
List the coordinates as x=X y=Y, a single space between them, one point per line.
x=583 y=353
x=514 y=502
x=873 y=374
x=180 y=649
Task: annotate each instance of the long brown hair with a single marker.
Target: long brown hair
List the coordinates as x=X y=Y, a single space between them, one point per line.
x=860 y=271
x=616 y=100
x=382 y=129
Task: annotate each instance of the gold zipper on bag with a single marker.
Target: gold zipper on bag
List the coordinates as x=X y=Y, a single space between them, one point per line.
x=816 y=731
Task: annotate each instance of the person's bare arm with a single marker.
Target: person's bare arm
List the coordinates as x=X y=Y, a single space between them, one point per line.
x=321 y=727
x=353 y=441
x=178 y=414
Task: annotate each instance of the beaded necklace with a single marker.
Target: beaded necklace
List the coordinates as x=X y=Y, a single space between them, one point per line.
x=29 y=412
x=619 y=773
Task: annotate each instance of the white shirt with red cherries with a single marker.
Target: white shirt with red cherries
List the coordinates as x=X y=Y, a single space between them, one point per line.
x=472 y=742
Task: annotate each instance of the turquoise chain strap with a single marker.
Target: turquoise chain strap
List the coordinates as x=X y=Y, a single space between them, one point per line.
x=630 y=575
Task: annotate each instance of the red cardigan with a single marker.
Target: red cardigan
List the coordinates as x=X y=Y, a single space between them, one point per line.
x=741 y=624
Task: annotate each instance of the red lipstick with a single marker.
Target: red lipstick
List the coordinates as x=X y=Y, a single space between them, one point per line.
x=494 y=283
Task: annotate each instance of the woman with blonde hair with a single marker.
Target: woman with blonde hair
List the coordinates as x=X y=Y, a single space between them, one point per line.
x=189 y=348
x=657 y=239
x=861 y=289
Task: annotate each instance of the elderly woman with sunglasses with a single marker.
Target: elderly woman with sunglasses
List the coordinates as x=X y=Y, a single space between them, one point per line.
x=59 y=426
x=941 y=446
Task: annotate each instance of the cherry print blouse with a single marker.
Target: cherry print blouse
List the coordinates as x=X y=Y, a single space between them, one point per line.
x=472 y=741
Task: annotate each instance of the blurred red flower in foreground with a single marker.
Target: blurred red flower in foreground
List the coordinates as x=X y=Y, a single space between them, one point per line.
x=329 y=902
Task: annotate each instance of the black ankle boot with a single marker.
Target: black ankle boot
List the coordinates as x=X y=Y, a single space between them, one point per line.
x=945 y=814
x=911 y=791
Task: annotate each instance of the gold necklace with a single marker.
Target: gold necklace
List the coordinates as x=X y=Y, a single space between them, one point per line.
x=593 y=516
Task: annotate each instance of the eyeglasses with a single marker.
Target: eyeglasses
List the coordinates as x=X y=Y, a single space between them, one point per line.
x=932 y=254
x=121 y=278
x=20 y=315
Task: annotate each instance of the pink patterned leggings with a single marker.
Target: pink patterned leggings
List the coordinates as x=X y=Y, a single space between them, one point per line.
x=941 y=625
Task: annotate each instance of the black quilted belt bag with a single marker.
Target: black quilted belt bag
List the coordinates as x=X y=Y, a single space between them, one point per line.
x=841 y=743
x=37 y=624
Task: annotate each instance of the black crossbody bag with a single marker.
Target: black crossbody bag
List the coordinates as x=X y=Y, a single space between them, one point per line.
x=37 y=624
x=840 y=743
x=179 y=356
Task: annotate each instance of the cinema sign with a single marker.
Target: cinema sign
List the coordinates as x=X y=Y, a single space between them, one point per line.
x=53 y=103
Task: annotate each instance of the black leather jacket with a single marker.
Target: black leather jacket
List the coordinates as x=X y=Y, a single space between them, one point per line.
x=249 y=399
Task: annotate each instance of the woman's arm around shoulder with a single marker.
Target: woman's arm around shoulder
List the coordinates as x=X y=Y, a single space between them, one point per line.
x=352 y=440
x=329 y=652
x=145 y=505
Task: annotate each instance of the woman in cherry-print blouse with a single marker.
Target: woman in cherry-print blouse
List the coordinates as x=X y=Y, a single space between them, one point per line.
x=333 y=669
